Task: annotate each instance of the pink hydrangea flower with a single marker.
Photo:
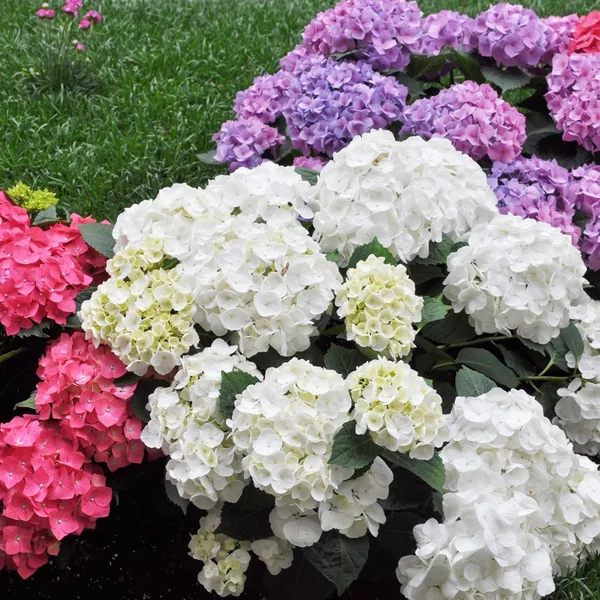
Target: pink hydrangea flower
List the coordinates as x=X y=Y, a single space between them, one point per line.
x=72 y=8
x=48 y=490
x=85 y=24
x=45 y=13
x=316 y=163
x=77 y=388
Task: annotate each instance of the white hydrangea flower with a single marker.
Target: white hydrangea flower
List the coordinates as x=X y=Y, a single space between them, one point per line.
x=300 y=527
x=397 y=407
x=519 y=505
x=284 y=427
x=353 y=509
x=146 y=318
x=407 y=194
x=266 y=284
x=186 y=423
x=268 y=193
x=277 y=554
x=516 y=275
x=587 y=320
x=225 y=560
x=379 y=306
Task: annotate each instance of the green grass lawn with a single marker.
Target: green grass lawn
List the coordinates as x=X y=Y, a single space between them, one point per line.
x=165 y=75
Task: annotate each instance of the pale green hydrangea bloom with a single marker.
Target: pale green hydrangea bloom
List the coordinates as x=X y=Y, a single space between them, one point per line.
x=32 y=200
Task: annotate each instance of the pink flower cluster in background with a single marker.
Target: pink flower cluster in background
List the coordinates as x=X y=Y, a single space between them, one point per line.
x=41 y=270
x=73 y=9
x=77 y=388
x=473 y=118
x=48 y=490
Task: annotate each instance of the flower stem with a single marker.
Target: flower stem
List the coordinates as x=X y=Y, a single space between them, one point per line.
x=544 y=378
x=492 y=338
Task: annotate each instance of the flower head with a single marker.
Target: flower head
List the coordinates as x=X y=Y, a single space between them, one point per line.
x=45 y=13
x=94 y=16
x=85 y=24
x=32 y=200
x=586 y=37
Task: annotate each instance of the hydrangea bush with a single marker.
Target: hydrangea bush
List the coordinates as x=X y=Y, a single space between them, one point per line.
x=368 y=354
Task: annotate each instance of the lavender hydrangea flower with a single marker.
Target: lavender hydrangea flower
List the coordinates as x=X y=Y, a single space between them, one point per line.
x=573 y=98
x=445 y=28
x=384 y=32
x=512 y=35
x=265 y=98
x=316 y=163
x=536 y=189
x=244 y=143
x=587 y=181
x=331 y=102
x=560 y=34
x=473 y=118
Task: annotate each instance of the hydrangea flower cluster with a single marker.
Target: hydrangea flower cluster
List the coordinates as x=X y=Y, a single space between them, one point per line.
x=383 y=32
x=537 y=189
x=265 y=99
x=519 y=503
x=516 y=275
x=562 y=30
x=77 y=388
x=284 y=427
x=186 y=423
x=587 y=200
x=32 y=200
x=586 y=37
x=445 y=28
x=48 y=490
x=473 y=117
x=573 y=89
x=379 y=306
x=277 y=554
x=398 y=409
x=512 y=35
x=407 y=194
x=41 y=270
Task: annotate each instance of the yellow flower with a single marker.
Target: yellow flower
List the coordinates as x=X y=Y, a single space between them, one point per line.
x=32 y=200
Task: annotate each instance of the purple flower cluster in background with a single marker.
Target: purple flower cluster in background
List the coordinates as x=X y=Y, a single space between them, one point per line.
x=446 y=28
x=512 y=35
x=384 y=32
x=330 y=102
x=265 y=98
x=574 y=98
x=587 y=200
x=536 y=189
x=473 y=118
x=316 y=163
x=244 y=143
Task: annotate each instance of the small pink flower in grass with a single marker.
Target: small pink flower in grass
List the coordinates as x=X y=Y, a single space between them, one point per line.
x=45 y=13
x=85 y=24
x=71 y=9
x=80 y=47
x=93 y=15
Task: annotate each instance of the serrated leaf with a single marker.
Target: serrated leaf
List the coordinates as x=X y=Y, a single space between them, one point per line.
x=272 y=358
x=127 y=380
x=508 y=78
x=73 y=322
x=343 y=360
x=431 y=471
x=139 y=399
x=99 y=237
x=453 y=329
x=38 y=330
x=29 y=403
x=433 y=310
x=232 y=383
x=396 y=534
x=309 y=175
x=439 y=252
x=174 y=497
x=208 y=158
x=556 y=348
x=45 y=217
x=519 y=364
x=423 y=64
x=406 y=492
x=572 y=339
x=465 y=63
x=548 y=397
x=422 y=273
x=83 y=296
x=374 y=247
x=339 y=558
x=352 y=450
x=485 y=362
x=472 y=383
x=438 y=503
x=248 y=518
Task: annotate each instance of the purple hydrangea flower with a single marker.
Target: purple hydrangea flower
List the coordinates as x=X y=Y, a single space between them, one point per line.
x=244 y=143
x=316 y=163
x=446 y=28
x=473 y=118
x=331 y=102
x=265 y=99
x=587 y=182
x=512 y=35
x=561 y=33
x=574 y=98
x=384 y=31
x=536 y=189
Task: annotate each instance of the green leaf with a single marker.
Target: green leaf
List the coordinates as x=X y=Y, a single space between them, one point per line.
x=581 y=219
x=485 y=362
x=556 y=348
x=439 y=252
x=423 y=64
x=127 y=380
x=518 y=363
x=339 y=558
x=174 y=497
x=45 y=217
x=208 y=158
x=539 y=126
x=38 y=330
x=343 y=360
x=422 y=273
x=509 y=78
x=8 y=355
x=472 y=383
x=438 y=503
x=431 y=471
x=453 y=329
x=272 y=358
x=345 y=54
x=548 y=397
x=464 y=62
x=433 y=310
x=301 y=581
x=333 y=256
x=373 y=247
x=435 y=354
x=407 y=491
x=29 y=403
x=99 y=237
x=248 y=518
x=352 y=450
x=309 y=175
x=232 y=383
x=572 y=339
x=139 y=399
x=414 y=87
x=396 y=534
